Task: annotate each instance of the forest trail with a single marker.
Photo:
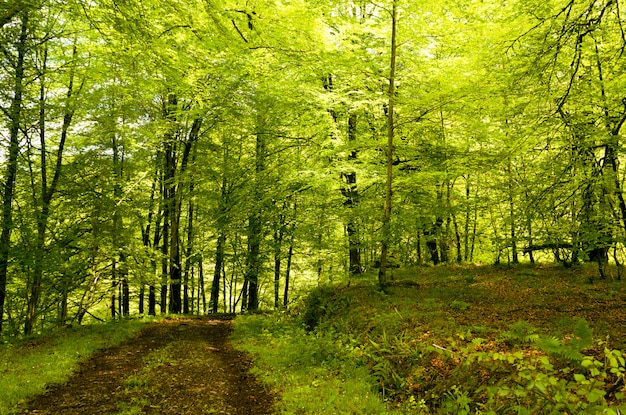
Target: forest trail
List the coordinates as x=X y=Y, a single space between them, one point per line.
x=177 y=366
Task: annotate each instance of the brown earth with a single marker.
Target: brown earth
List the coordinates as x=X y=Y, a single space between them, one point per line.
x=177 y=366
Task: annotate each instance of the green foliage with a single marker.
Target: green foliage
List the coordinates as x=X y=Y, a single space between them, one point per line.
x=572 y=348
x=421 y=360
x=316 y=373
x=28 y=365
x=459 y=305
x=520 y=332
x=316 y=306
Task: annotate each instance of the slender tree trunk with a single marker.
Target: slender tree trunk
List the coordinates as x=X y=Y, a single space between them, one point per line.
x=177 y=184
x=382 y=272
x=418 y=247
x=175 y=273
x=145 y=232
x=512 y=214
x=474 y=226
x=459 y=256
x=467 y=220
x=253 y=262
x=121 y=271
x=47 y=191
x=165 y=251
x=201 y=284
x=188 y=255
x=142 y=295
x=219 y=260
x=279 y=231
x=221 y=240
x=255 y=225
x=193 y=135
x=113 y=306
x=244 y=296
x=292 y=232
x=169 y=270
x=351 y=194
x=151 y=300
x=15 y=115
x=64 y=294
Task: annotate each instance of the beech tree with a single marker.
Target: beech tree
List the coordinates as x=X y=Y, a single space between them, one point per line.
x=154 y=151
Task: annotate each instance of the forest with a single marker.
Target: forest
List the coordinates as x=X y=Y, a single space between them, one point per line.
x=200 y=156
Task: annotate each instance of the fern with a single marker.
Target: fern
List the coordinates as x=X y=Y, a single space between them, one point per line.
x=570 y=350
x=520 y=332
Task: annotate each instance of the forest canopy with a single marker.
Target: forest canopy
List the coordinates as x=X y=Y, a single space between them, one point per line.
x=195 y=156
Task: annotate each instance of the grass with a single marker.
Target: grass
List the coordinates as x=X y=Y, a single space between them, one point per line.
x=450 y=340
x=28 y=365
x=313 y=374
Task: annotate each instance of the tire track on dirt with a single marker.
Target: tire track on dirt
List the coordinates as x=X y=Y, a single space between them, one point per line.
x=177 y=366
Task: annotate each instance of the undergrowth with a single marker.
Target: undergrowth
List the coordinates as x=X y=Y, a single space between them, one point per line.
x=455 y=341
x=28 y=365
x=314 y=373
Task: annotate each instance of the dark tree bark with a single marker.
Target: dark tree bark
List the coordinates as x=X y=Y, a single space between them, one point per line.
x=351 y=193
x=188 y=255
x=514 y=251
x=255 y=225
x=120 y=272
x=382 y=271
x=279 y=233
x=15 y=118
x=219 y=261
x=201 y=291
x=292 y=232
x=177 y=184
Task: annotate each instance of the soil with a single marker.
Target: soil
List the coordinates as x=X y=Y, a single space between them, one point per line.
x=177 y=366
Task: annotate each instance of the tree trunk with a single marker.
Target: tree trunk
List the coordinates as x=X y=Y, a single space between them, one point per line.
x=120 y=277
x=255 y=225
x=253 y=261
x=219 y=261
x=145 y=233
x=467 y=220
x=165 y=252
x=15 y=115
x=201 y=293
x=279 y=231
x=382 y=272
x=151 y=300
x=176 y=188
x=168 y=269
x=113 y=307
x=512 y=214
x=188 y=255
x=223 y=208
x=351 y=194
x=292 y=232
x=47 y=192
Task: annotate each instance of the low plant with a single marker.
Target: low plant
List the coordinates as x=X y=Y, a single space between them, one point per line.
x=28 y=365
x=459 y=305
x=315 y=372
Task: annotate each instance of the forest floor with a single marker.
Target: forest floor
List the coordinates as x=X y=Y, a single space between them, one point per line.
x=176 y=366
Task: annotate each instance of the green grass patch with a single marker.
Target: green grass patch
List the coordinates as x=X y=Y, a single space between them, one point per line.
x=28 y=365
x=314 y=372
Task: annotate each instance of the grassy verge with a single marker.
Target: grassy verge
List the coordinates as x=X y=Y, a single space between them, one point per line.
x=453 y=340
x=27 y=366
x=313 y=373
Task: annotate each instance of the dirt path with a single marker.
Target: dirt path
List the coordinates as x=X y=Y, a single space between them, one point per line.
x=182 y=366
